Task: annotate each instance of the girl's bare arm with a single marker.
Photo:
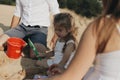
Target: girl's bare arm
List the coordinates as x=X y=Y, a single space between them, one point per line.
x=70 y=47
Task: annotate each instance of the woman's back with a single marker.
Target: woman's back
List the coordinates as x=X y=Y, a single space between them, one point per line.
x=108 y=33
x=113 y=43
x=107 y=63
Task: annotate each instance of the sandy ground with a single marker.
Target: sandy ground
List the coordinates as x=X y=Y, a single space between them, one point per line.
x=6 y=13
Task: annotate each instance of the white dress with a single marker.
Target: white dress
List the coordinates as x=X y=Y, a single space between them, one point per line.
x=107 y=67
x=59 y=54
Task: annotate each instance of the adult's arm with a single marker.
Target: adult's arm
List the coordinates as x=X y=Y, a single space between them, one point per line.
x=53 y=6
x=17 y=14
x=15 y=21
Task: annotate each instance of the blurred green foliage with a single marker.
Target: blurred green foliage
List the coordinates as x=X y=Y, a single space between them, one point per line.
x=88 y=8
x=8 y=2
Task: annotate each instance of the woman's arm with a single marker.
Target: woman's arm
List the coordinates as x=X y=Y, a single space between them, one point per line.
x=17 y=14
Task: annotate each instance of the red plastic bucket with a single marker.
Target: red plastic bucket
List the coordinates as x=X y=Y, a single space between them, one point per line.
x=14 y=47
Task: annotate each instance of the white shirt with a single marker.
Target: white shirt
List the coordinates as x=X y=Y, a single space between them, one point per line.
x=58 y=54
x=36 y=12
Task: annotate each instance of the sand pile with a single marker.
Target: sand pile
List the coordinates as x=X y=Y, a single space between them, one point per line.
x=10 y=69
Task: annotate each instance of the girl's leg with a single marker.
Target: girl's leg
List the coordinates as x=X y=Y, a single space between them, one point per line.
x=40 y=48
x=42 y=63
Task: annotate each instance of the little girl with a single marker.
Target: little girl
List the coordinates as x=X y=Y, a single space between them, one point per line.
x=65 y=46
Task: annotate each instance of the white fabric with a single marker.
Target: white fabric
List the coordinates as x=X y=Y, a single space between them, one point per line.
x=107 y=67
x=36 y=12
x=59 y=54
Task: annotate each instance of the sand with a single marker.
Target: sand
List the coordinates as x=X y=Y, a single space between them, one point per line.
x=6 y=13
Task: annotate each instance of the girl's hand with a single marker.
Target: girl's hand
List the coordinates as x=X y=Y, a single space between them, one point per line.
x=54 y=70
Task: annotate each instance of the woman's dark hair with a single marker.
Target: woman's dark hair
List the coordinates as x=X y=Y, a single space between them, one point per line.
x=112 y=7
x=106 y=23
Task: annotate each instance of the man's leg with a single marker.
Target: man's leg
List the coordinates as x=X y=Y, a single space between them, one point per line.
x=14 y=32
x=39 y=37
x=42 y=63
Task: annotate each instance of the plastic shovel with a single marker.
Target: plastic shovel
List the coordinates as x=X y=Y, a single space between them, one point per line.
x=34 y=49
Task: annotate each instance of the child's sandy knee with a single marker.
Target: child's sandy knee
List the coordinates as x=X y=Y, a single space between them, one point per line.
x=42 y=63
